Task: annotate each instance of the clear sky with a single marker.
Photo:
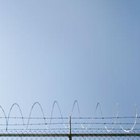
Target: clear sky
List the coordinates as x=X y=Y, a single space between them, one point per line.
x=64 y=50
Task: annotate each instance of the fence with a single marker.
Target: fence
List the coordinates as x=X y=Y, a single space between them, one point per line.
x=68 y=128
x=71 y=128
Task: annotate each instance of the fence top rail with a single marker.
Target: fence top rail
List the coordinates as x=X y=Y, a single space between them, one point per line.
x=72 y=135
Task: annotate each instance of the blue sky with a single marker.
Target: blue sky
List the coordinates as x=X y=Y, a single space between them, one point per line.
x=65 y=50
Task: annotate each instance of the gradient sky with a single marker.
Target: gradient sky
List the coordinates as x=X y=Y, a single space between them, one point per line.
x=63 y=50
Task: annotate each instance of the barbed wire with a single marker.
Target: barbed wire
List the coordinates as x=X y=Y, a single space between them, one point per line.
x=83 y=123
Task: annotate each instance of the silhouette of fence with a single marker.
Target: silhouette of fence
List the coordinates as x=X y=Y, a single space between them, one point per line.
x=118 y=127
x=71 y=128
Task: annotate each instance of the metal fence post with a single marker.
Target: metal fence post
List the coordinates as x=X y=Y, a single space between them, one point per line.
x=70 y=134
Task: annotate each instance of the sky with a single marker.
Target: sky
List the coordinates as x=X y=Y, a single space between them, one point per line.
x=85 y=50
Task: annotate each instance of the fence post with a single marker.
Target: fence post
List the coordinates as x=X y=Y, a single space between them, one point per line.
x=70 y=135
